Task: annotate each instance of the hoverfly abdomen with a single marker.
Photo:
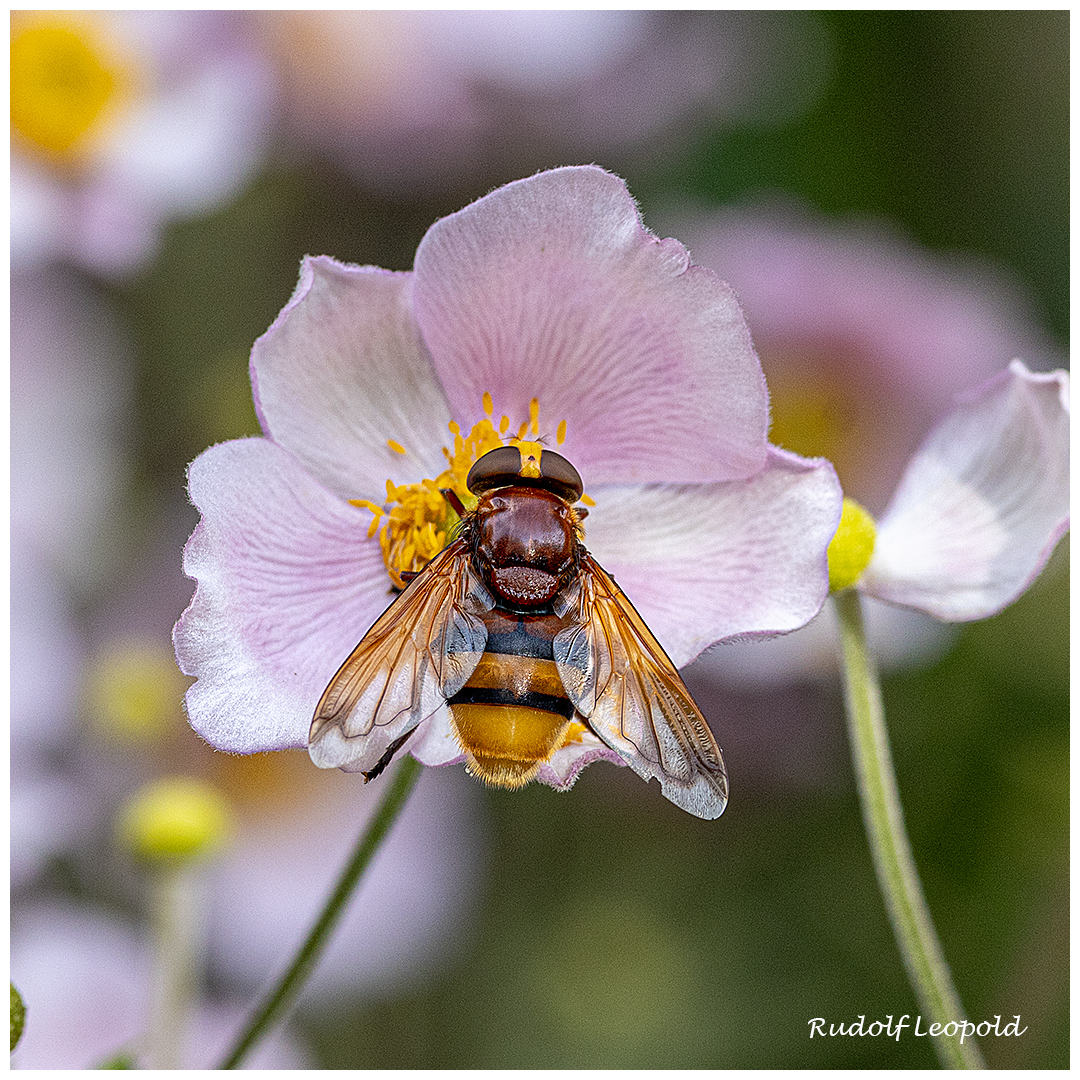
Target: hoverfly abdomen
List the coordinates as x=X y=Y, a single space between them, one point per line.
x=513 y=713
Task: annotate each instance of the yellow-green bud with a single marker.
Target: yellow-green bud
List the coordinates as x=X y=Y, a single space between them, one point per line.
x=851 y=547
x=18 y=1016
x=175 y=819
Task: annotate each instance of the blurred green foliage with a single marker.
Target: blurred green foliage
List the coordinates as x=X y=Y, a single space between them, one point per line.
x=617 y=931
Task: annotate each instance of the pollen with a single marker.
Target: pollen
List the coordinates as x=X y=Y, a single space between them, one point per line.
x=851 y=547
x=416 y=521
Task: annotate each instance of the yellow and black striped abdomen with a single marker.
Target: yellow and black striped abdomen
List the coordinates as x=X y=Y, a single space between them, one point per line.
x=513 y=713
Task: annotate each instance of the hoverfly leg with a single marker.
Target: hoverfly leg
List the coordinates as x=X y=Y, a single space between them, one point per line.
x=455 y=503
x=408 y=575
x=385 y=760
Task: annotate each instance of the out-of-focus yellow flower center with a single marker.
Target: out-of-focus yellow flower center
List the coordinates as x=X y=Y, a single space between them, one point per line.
x=177 y=818
x=813 y=416
x=66 y=78
x=851 y=547
x=416 y=520
x=134 y=690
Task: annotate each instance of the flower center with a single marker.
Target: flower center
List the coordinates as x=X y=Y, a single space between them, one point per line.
x=851 y=547
x=65 y=79
x=417 y=520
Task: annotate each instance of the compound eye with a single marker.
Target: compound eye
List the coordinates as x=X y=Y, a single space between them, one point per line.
x=497 y=468
x=566 y=479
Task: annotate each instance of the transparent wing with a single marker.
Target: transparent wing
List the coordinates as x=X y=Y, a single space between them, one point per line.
x=619 y=677
x=419 y=652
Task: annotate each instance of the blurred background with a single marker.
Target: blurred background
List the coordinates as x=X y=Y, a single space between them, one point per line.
x=887 y=192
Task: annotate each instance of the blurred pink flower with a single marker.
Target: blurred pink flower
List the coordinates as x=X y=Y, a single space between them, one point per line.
x=982 y=504
x=86 y=978
x=548 y=290
x=864 y=337
x=420 y=99
x=69 y=391
x=168 y=118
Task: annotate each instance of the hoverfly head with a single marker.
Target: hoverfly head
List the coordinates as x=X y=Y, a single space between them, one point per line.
x=525 y=465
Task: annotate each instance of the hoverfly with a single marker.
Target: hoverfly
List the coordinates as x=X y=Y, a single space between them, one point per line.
x=521 y=635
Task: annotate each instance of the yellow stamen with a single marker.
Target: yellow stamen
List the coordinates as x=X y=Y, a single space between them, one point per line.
x=417 y=521
x=851 y=547
x=560 y=433
x=395 y=446
x=588 y=501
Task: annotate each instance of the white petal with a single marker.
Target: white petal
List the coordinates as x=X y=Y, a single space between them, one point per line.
x=982 y=503
x=705 y=562
x=288 y=583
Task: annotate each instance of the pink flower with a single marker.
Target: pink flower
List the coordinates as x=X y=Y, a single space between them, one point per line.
x=982 y=504
x=549 y=304
x=168 y=118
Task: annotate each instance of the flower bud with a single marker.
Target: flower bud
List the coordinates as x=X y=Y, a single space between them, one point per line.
x=851 y=547
x=175 y=819
x=18 y=1016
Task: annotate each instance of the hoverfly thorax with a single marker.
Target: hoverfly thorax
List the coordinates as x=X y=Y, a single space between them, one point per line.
x=524 y=532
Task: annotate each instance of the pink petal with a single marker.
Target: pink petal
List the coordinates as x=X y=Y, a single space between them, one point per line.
x=566 y=764
x=702 y=563
x=341 y=371
x=288 y=583
x=551 y=288
x=982 y=503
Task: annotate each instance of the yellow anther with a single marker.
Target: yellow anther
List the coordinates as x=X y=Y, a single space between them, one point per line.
x=175 y=819
x=417 y=520
x=373 y=528
x=395 y=446
x=588 y=501
x=560 y=433
x=851 y=547
x=366 y=504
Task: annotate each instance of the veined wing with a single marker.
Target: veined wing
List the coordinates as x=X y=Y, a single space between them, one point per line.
x=419 y=652
x=619 y=677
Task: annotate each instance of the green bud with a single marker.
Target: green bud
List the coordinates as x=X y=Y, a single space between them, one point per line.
x=18 y=1016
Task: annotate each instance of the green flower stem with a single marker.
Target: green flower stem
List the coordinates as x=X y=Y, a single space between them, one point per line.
x=896 y=873
x=282 y=996
x=176 y=931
